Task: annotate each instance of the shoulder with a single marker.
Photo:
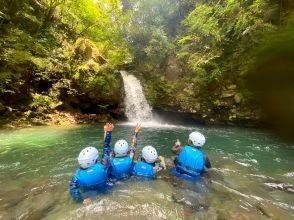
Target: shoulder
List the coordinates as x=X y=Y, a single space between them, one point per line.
x=98 y=166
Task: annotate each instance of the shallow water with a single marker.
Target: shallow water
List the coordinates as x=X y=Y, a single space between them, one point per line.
x=36 y=165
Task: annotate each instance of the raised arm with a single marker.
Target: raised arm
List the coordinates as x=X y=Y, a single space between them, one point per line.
x=135 y=140
x=108 y=127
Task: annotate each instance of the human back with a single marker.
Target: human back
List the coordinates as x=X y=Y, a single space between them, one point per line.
x=95 y=175
x=121 y=163
x=146 y=166
x=121 y=167
x=144 y=169
x=191 y=159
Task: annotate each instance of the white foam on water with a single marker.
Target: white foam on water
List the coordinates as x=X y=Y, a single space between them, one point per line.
x=261 y=176
x=154 y=124
x=291 y=174
x=243 y=164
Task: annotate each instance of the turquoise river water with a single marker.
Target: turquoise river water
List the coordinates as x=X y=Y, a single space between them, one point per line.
x=252 y=176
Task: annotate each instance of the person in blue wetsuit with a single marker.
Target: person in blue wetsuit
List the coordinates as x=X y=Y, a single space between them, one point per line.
x=92 y=176
x=121 y=164
x=191 y=161
x=146 y=166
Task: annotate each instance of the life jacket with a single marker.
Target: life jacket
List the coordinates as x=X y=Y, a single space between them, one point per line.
x=121 y=167
x=144 y=169
x=93 y=176
x=190 y=161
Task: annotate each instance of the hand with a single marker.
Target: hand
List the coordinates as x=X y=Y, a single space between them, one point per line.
x=87 y=201
x=108 y=127
x=138 y=128
x=161 y=158
x=162 y=162
x=178 y=143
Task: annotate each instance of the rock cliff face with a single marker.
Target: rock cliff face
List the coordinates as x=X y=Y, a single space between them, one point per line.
x=175 y=90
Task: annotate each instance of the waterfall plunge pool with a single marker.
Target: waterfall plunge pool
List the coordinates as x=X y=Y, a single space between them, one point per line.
x=37 y=163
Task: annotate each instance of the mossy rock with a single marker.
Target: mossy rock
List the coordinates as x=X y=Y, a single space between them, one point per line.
x=87 y=50
x=238 y=98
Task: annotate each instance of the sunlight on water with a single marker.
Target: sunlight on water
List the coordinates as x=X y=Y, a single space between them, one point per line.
x=247 y=182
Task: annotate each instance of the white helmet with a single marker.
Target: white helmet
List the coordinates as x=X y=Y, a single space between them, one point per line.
x=149 y=153
x=87 y=157
x=197 y=139
x=121 y=148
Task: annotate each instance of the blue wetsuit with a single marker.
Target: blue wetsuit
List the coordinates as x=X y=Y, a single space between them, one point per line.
x=121 y=167
x=189 y=164
x=90 y=181
x=144 y=169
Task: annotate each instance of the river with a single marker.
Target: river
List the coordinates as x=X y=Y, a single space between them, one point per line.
x=37 y=163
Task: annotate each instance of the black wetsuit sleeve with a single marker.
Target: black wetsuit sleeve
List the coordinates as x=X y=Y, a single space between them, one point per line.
x=207 y=163
x=106 y=148
x=74 y=189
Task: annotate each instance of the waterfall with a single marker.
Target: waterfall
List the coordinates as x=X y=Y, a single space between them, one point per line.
x=136 y=105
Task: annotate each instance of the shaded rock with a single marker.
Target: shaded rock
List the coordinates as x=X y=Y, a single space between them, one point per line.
x=2 y=109
x=36 y=207
x=232 y=87
x=190 y=199
x=11 y=198
x=272 y=211
x=237 y=215
x=173 y=69
x=227 y=94
x=238 y=98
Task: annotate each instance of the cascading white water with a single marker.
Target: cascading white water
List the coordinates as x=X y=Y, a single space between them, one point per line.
x=136 y=106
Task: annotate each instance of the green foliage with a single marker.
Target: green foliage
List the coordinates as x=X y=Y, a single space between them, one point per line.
x=44 y=102
x=60 y=50
x=220 y=34
x=54 y=49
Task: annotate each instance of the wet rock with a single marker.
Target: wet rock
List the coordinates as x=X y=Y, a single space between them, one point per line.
x=271 y=211
x=190 y=199
x=36 y=207
x=214 y=174
x=11 y=198
x=237 y=215
x=287 y=187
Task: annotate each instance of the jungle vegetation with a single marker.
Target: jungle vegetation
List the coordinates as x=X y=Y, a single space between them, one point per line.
x=191 y=55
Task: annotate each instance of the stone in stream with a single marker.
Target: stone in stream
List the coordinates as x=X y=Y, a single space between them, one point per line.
x=272 y=211
x=193 y=200
x=11 y=198
x=238 y=215
x=30 y=202
x=286 y=187
x=36 y=207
